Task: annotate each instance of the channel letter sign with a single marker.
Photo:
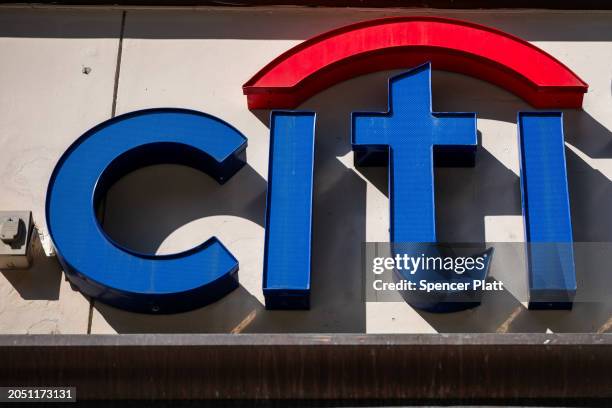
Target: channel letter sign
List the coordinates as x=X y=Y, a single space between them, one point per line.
x=409 y=139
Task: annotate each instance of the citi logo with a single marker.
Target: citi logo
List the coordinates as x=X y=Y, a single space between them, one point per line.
x=408 y=138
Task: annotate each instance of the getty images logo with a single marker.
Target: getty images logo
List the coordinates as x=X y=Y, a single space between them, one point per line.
x=408 y=138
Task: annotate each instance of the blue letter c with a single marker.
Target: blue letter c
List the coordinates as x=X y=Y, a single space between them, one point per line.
x=115 y=275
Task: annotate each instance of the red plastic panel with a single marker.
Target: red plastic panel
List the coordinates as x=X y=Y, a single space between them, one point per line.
x=451 y=45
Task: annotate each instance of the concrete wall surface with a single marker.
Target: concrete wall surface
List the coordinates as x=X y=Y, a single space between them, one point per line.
x=64 y=70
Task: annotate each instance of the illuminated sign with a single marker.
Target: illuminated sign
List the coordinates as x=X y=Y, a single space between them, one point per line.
x=409 y=139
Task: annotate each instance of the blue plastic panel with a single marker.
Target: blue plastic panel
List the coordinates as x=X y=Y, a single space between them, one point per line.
x=546 y=210
x=409 y=137
x=115 y=275
x=286 y=278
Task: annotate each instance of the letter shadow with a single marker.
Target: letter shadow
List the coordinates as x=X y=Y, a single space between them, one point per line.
x=497 y=192
x=150 y=205
x=147 y=206
x=42 y=280
x=339 y=220
x=465 y=196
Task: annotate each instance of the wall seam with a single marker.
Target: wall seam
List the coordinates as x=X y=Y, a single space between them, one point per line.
x=102 y=211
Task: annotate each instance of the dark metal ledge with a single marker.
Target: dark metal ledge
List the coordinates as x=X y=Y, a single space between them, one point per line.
x=459 y=367
x=441 y=4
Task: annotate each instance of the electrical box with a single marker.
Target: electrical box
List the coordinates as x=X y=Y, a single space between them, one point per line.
x=16 y=230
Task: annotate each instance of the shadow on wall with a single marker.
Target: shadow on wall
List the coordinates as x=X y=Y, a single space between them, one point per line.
x=590 y=195
x=338 y=232
x=147 y=206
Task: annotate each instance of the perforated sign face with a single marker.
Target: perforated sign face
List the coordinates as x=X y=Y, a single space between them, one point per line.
x=409 y=139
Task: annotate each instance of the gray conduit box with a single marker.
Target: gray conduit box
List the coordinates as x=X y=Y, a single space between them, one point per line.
x=16 y=229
